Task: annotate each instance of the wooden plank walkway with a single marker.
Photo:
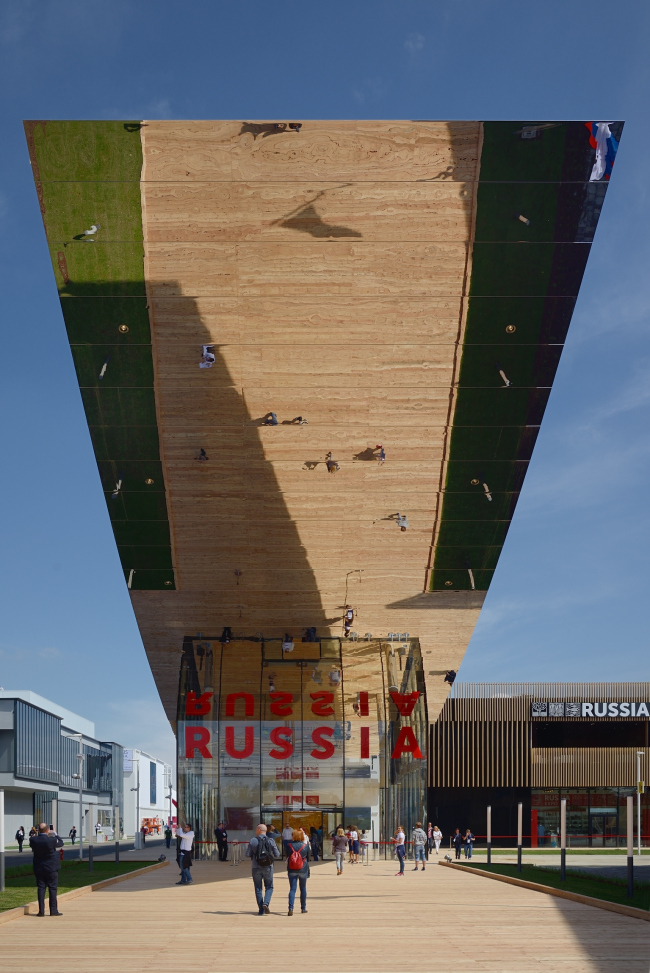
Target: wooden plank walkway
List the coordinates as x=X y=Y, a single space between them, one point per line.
x=329 y=269
x=365 y=920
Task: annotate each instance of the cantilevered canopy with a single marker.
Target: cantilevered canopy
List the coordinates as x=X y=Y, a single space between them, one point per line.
x=405 y=285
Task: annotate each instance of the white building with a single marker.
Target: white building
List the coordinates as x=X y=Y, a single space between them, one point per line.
x=39 y=768
x=147 y=782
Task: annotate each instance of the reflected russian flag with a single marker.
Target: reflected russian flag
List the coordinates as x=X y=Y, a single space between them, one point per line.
x=606 y=146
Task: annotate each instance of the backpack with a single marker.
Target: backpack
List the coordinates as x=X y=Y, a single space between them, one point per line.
x=296 y=861
x=263 y=854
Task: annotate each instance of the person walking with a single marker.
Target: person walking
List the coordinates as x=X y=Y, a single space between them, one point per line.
x=419 y=839
x=363 y=844
x=207 y=358
x=270 y=419
x=72 y=834
x=46 y=865
x=339 y=845
x=20 y=837
x=168 y=837
x=354 y=845
x=457 y=841
x=400 y=847
x=185 y=855
x=262 y=851
x=298 y=869
x=287 y=836
x=332 y=465
x=402 y=521
x=221 y=835
x=468 y=841
x=437 y=838
x=314 y=840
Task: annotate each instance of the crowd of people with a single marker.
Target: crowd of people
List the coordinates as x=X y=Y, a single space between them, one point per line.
x=263 y=849
x=267 y=844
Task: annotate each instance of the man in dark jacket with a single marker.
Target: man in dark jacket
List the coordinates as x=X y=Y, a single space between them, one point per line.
x=46 y=865
x=221 y=835
x=457 y=842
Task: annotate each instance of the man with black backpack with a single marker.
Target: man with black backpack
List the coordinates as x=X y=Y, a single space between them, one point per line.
x=262 y=851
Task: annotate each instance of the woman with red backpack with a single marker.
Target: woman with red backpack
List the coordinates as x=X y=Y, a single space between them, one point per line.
x=298 y=869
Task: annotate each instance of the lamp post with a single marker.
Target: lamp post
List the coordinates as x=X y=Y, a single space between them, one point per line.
x=168 y=775
x=136 y=838
x=520 y=812
x=489 y=834
x=630 y=846
x=563 y=839
x=80 y=777
x=639 y=788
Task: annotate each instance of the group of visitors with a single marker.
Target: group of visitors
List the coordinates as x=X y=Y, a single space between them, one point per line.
x=465 y=841
x=263 y=850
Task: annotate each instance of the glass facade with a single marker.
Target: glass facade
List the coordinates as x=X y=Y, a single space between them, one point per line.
x=44 y=753
x=596 y=817
x=321 y=734
x=37 y=741
x=43 y=807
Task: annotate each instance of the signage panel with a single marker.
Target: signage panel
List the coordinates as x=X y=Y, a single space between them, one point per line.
x=601 y=710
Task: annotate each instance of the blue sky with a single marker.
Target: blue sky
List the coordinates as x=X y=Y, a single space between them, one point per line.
x=569 y=600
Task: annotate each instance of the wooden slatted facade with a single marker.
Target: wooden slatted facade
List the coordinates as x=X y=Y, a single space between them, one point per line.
x=585 y=766
x=484 y=738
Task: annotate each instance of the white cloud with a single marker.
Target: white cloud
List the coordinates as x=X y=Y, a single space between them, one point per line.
x=414 y=43
x=371 y=89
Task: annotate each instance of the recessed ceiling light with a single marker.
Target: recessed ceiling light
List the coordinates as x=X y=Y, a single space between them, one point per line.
x=449 y=583
x=123 y=328
x=168 y=582
x=510 y=329
x=475 y=482
x=148 y=481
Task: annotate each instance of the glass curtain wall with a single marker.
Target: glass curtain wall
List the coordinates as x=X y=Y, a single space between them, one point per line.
x=596 y=816
x=319 y=735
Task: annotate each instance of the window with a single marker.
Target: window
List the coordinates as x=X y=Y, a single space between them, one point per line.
x=152 y=782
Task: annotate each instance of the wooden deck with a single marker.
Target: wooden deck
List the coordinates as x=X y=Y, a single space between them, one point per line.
x=330 y=269
x=365 y=920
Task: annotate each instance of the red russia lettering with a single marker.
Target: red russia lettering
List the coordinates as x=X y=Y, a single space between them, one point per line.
x=249 y=703
x=364 y=709
x=198 y=705
x=365 y=741
x=197 y=738
x=327 y=745
x=322 y=704
x=249 y=742
x=405 y=702
x=406 y=743
x=281 y=736
x=281 y=705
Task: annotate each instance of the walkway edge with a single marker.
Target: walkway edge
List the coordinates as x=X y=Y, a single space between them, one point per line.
x=32 y=907
x=624 y=910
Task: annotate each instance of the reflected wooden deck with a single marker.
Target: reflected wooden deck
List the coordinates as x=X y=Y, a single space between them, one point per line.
x=329 y=268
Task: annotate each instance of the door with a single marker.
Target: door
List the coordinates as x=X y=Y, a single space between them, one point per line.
x=306 y=820
x=603 y=830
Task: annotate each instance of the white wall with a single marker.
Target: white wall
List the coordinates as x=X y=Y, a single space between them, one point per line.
x=19 y=809
x=148 y=809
